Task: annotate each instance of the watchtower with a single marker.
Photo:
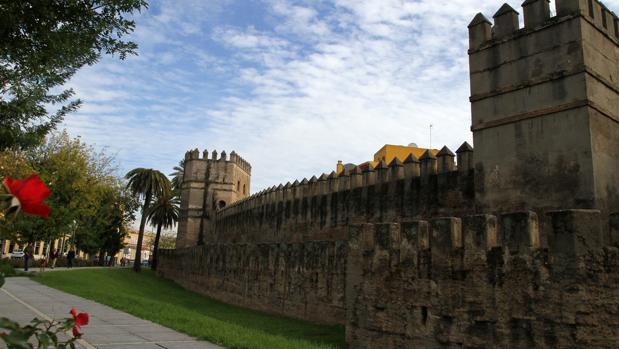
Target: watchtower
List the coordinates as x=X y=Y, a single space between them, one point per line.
x=209 y=185
x=545 y=106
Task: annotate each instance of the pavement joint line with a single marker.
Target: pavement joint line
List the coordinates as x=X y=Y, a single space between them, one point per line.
x=137 y=343
x=38 y=313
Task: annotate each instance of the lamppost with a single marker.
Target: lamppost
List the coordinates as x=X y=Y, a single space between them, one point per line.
x=73 y=233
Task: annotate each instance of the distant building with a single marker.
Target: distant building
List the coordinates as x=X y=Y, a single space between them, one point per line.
x=41 y=248
x=386 y=154
x=131 y=242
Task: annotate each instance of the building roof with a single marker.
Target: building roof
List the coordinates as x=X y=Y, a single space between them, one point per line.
x=388 y=153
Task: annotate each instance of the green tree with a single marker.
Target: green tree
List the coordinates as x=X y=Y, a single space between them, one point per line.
x=67 y=167
x=163 y=214
x=166 y=241
x=84 y=190
x=146 y=183
x=177 y=175
x=105 y=230
x=43 y=44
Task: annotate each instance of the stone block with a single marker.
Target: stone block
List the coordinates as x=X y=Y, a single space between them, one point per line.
x=386 y=236
x=446 y=234
x=575 y=233
x=568 y=7
x=520 y=232
x=415 y=234
x=536 y=12
x=614 y=229
x=479 y=233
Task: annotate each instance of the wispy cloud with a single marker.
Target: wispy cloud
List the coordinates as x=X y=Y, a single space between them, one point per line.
x=291 y=86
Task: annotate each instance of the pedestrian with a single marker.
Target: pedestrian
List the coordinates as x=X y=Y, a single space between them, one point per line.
x=54 y=256
x=70 y=257
x=42 y=264
x=28 y=254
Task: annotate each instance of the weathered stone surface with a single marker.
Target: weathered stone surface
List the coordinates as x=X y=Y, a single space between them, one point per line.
x=495 y=300
x=424 y=254
x=303 y=280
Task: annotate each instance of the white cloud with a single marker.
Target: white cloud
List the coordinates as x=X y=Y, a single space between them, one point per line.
x=304 y=86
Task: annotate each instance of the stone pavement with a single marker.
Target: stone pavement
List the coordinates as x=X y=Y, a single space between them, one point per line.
x=22 y=299
x=47 y=269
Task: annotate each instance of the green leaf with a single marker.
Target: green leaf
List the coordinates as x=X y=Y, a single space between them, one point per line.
x=44 y=340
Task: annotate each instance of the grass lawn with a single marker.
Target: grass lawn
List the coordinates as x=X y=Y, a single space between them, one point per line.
x=162 y=301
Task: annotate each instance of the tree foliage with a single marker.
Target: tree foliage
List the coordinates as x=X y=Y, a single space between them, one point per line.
x=177 y=175
x=163 y=214
x=43 y=44
x=148 y=184
x=85 y=194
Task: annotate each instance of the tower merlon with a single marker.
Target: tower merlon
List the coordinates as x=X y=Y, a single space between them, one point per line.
x=446 y=160
x=465 y=157
x=536 y=13
x=479 y=31
x=505 y=22
x=429 y=164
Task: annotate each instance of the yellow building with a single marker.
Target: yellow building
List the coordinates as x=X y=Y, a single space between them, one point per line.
x=41 y=248
x=387 y=154
x=131 y=241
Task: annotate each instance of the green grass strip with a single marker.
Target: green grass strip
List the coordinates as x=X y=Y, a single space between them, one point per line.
x=162 y=301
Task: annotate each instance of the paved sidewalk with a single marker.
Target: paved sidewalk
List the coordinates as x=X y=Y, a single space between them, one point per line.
x=22 y=299
x=48 y=269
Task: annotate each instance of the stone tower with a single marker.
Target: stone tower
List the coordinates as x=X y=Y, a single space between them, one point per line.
x=545 y=107
x=209 y=185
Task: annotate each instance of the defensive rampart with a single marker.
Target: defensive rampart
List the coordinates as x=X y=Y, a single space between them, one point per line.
x=421 y=253
x=302 y=280
x=322 y=208
x=484 y=282
x=284 y=249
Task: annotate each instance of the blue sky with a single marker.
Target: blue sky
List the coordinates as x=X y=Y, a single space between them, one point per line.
x=292 y=86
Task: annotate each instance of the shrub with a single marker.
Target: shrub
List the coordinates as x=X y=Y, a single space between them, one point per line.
x=61 y=262
x=6 y=268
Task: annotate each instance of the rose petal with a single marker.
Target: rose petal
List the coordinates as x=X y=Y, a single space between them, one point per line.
x=76 y=331
x=30 y=192
x=81 y=319
x=36 y=209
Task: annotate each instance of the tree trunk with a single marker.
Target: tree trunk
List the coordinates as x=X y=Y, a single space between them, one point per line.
x=137 y=263
x=156 y=247
x=101 y=258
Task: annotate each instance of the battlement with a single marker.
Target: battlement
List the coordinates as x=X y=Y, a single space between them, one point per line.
x=544 y=106
x=483 y=281
x=234 y=158
x=566 y=235
x=321 y=207
x=537 y=14
x=424 y=167
x=465 y=249
x=209 y=183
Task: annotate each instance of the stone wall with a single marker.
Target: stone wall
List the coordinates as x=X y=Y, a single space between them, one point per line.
x=302 y=280
x=545 y=107
x=322 y=208
x=484 y=282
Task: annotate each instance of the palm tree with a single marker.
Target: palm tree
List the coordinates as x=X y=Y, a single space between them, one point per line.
x=147 y=183
x=163 y=214
x=177 y=175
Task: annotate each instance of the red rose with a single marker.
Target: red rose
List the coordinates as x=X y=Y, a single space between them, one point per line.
x=30 y=193
x=80 y=320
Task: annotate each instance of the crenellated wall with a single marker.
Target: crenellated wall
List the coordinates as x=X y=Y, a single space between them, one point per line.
x=322 y=208
x=302 y=280
x=421 y=253
x=209 y=184
x=514 y=281
x=545 y=107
